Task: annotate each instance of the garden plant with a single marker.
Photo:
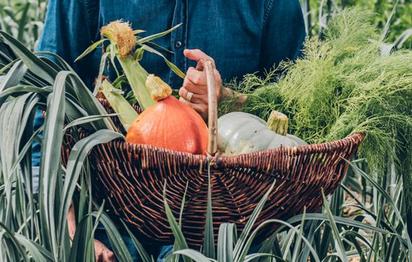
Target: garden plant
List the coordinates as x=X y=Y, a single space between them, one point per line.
x=355 y=75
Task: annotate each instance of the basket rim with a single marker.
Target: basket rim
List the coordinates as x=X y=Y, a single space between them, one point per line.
x=354 y=138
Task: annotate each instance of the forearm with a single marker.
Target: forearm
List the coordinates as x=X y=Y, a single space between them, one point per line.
x=236 y=97
x=71 y=221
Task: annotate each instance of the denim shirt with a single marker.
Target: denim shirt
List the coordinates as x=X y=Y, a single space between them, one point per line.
x=243 y=36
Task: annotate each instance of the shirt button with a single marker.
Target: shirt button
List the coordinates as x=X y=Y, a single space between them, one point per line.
x=178 y=44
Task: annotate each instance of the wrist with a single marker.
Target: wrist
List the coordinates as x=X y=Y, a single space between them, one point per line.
x=228 y=93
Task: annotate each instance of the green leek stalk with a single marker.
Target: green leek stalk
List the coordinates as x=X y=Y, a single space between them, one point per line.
x=125 y=111
x=405 y=160
x=407 y=185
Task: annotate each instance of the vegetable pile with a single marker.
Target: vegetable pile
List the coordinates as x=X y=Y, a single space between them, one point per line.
x=341 y=85
x=165 y=121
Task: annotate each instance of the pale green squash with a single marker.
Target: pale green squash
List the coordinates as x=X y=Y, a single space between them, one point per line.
x=241 y=133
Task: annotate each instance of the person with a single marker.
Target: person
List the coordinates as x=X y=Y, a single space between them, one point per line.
x=240 y=36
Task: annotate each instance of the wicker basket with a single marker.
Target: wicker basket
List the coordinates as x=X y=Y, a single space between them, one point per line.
x=131 y=179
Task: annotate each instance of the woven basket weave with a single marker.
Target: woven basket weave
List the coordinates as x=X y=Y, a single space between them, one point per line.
x=131 y=179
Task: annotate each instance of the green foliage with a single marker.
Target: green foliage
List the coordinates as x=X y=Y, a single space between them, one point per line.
x=34 y=225
x=337 y=89
x=343 y=85
x=369 y=232
x=23 y=19
x=391 y=16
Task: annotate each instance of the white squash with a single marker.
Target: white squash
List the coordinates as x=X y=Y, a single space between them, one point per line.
x=244 y=133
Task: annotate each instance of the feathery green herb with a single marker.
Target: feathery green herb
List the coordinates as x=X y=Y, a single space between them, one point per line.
x=341 y=85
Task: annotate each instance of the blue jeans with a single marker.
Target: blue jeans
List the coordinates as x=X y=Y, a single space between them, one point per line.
x=159 y=251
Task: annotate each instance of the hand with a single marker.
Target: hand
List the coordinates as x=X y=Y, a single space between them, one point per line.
x=102 y=253
x=194 y=89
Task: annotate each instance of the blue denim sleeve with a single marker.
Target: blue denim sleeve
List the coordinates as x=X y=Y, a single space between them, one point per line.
x=70 y=27
x=284 y=32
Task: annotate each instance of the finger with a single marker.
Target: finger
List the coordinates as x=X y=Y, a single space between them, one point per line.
x=195 y=89
x=196 y=55
x=196 y=77
x=199 y=56
x=196 y=81
x=184 y=93
x=202 y=109
x=196 y=98
x=201 y=64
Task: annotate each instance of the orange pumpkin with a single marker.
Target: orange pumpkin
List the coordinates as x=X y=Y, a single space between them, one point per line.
x=169 y=123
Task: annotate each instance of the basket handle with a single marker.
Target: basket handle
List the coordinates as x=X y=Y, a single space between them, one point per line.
x=212 y=114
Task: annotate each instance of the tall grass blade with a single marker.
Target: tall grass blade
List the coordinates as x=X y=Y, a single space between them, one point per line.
x=14 y=76
x=194 y=255
x=209 y=239
x=144 y=256
x=56 y=60
x=337 y=238
x=37 y=252
x=86 y=120
x=50 y=162
x=80 y=244
x=115 y=238
x=75 y=165
x=389 y=21
x=381 y=191
x=401 y=40
x=283 y=226
x=22 y=89
x=37 y=66
x=16 y=251
x=298 y=242
x=180 y=241
x=226 y=242
x=338 y=220
x=240 y=247
x=24 y=18
x=256 y=256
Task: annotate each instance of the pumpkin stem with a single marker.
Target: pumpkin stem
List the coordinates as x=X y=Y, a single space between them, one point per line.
x=158 y=89
x=278 y=123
